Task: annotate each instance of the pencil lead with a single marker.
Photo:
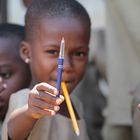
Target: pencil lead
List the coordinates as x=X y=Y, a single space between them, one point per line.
x=62 y=47
x=77 y=133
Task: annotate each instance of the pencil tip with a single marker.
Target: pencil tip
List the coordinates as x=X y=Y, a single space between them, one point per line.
x=63 y=39
x=78 y=133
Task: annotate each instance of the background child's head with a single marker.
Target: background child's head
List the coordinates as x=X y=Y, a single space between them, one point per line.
x=14 y=73
x=47 y=21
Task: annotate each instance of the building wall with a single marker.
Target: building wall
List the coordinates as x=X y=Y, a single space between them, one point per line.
x=3 y=13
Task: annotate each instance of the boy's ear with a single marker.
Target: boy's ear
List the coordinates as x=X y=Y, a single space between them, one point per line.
x=25 y=51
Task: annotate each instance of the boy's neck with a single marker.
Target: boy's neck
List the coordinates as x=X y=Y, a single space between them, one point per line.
x=64 y=111
x=32 y=84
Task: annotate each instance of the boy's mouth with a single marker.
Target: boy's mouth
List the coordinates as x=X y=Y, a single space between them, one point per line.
x=68 y=82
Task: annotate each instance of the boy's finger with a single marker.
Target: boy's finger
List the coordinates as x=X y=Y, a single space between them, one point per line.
x=37 y=113
x=61 y=97
x=47 y=98
x=47 y=88
x=50 y=99
x=44 y=105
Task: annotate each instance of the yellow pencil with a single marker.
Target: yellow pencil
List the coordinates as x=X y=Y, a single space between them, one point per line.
x=70 y=109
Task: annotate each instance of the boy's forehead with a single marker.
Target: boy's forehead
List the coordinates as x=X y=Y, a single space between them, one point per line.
x=63 y=22
x=55 y=28
x=68 y=25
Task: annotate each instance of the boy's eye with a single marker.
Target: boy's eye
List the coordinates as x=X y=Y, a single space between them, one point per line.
x=53 y=52
x=5 y=75
x=80 y=54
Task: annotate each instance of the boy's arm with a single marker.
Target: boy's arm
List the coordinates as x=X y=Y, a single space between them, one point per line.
x=20 y=124
x=42 y=101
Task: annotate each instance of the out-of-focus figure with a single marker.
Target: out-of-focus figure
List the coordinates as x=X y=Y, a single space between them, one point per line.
x=3 y=11
x=123 y=65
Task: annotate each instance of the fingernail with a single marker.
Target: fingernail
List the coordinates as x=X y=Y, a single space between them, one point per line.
x=58 y=101
x=52 y=113
x=55 y=92
x=56 y=108
x=62 y=98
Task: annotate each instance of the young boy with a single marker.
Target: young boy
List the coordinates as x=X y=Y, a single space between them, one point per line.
x=47 y=21
x=14 y=72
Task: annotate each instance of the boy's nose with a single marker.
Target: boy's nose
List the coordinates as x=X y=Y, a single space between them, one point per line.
x=3 y=86
x=67 y=65
x=0 y=79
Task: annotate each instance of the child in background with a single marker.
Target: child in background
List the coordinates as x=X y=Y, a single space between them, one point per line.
x=14 y=72
x=135 y=112
x=47 y=21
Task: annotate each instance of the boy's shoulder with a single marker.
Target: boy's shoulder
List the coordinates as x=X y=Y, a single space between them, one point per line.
x=77 y=104
x=22 y=92
x=19 y=98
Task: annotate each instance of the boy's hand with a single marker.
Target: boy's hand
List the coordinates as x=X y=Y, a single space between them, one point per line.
x=43 y=101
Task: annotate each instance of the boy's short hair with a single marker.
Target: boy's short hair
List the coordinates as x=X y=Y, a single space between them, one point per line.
x=8 y=30
x=54 y=8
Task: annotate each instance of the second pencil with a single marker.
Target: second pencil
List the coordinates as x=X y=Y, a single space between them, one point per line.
x=70 y=109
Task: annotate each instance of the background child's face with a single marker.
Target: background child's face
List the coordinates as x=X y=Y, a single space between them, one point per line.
x=45 y=47
x=12 y=71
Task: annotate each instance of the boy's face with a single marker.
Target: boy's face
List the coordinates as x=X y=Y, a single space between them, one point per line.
x=45 y=46
x=13 y=72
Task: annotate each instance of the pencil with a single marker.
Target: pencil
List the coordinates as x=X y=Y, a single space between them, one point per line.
x=70 y=109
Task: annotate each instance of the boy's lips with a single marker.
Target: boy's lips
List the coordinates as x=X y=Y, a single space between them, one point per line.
x=66 y=81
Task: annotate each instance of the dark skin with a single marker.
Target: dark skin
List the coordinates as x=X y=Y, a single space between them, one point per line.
x=43 y=50
x=26 y=2
x=12 y=72
x=50 y=42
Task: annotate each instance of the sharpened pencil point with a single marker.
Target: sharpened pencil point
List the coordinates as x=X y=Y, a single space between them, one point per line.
x=62 y=47
x=63 y=39
x=77 y=133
